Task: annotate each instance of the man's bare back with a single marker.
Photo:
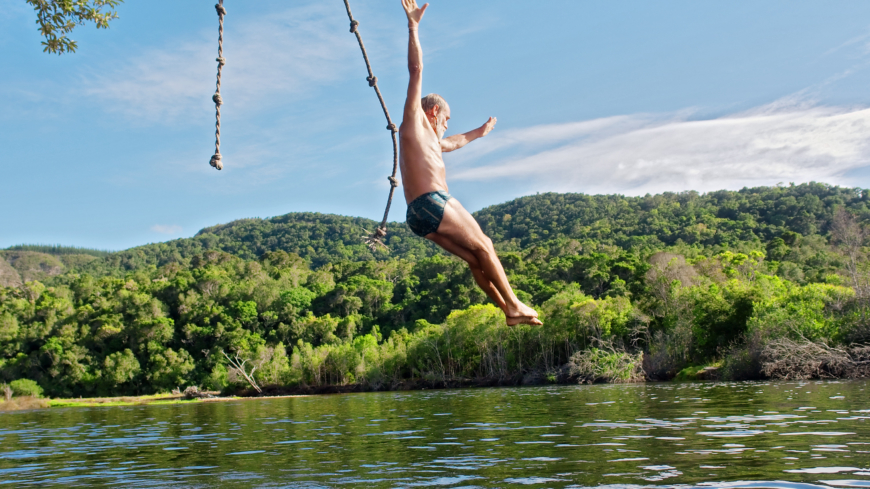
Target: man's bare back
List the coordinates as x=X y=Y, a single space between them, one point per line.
x=432 y=212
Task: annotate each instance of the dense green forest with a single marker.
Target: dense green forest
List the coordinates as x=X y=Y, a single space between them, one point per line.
x=762 y=282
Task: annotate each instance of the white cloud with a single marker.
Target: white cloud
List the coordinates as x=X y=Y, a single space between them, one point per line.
x=641 y=153
x=164 y=229
x=276 y=56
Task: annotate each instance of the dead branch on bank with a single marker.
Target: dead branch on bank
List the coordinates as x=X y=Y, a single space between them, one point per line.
x=786 y=359
x=193 y=392
x=238 y=367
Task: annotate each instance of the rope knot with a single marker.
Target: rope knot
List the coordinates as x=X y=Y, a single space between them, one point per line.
x=393 y=181
x=392 y=127
x=217 y=99
x=220 y=10
x=374 y=240
x=353 y=25
x=373 y=80
x=216 y=161
x=221 y=60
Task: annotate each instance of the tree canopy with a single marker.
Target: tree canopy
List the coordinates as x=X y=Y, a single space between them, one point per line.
x=57 y=18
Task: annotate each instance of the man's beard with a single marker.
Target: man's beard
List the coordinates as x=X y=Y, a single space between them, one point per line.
x=439 y=127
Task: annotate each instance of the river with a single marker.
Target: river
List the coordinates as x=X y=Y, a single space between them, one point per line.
x=780 y=435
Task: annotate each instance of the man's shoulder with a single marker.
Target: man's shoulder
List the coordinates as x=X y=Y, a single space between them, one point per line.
x=413 y=124
x=414 y=109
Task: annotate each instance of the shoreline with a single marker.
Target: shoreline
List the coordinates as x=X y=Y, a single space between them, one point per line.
x=269 y=392
x=30 y=403
x=280 y=392
x=286 y=392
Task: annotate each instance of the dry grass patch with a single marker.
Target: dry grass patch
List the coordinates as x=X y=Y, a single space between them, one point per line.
x=23 y=404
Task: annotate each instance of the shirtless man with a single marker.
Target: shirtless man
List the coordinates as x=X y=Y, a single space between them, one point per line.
x=432 y=213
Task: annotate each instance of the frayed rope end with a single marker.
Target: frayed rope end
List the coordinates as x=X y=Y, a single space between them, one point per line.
x=373 y=241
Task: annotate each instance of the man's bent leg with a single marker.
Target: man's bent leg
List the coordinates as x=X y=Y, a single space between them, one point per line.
x=460 y=228
x=482 y=281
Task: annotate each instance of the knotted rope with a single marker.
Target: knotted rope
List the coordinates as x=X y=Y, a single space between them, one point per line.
x=218 y=101
x=375 y=239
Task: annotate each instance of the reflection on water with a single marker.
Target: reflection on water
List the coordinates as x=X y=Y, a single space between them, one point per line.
x=722 y=435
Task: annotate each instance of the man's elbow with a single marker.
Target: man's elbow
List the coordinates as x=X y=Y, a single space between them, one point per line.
x=415 y=68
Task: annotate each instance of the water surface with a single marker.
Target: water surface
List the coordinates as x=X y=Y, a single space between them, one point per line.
x=782 y=435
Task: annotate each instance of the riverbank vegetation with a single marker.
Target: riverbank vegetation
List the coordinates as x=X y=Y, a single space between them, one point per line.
x=629 y=288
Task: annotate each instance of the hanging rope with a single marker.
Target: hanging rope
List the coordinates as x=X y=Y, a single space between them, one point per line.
x=375 y=239
x=221 y=61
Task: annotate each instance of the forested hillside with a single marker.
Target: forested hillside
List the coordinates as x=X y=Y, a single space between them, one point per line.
x=722 y=219
x=715 y=221
x=678 y=280
x=319 y=238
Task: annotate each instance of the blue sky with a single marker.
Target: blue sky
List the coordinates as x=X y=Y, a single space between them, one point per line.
x=109 y=147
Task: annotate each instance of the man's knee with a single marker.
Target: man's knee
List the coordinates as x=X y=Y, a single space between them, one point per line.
x=485 y=244
x=484 y=249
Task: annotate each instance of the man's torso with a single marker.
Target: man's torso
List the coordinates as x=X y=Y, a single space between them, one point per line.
x=420 y=157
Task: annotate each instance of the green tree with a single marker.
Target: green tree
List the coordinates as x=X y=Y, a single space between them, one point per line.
x=169 y=369
x=120 y=368
x=57 y=18
x=25 y=387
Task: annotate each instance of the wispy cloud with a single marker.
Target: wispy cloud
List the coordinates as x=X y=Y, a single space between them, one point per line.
x=166 y=229
x=275 y=56
x=643 y=153
x=860 y=42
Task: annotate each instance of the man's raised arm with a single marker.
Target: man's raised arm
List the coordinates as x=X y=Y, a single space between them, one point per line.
x=415 y=56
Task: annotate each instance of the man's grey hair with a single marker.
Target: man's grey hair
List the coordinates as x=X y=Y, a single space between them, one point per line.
x=432 y=100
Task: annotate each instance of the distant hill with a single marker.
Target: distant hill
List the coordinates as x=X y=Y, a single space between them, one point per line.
x=28 y=262
x=60 y=250
x=716 y=220
x=17 y=267
x=9 y=276
x=722 y=218
x=318 y=238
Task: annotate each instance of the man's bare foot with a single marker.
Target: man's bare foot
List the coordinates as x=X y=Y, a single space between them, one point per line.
x=513 y=321
x=520 y=310
x=522 y=315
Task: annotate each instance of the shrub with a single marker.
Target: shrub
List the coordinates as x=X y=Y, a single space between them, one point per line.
x=25 y=387
x=742 y=359
x=606 y=365
x=669 y=352
x=218 y=379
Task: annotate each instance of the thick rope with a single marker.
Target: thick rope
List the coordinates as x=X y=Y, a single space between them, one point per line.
x=375 y=239
x=218 y=101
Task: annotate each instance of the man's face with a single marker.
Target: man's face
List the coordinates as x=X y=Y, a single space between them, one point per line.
x=441 y=118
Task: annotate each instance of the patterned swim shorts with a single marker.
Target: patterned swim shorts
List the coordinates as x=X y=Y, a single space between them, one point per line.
x=426 y=211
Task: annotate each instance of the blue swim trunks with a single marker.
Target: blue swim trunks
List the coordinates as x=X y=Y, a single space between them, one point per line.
x=426 y=211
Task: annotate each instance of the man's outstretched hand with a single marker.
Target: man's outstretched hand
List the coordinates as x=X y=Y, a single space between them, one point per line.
x=488 y=126
x=414 y=13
